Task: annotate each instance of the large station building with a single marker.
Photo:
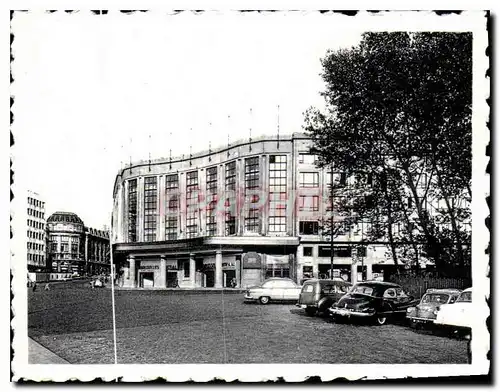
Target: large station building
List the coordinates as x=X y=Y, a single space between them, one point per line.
x=233 y=216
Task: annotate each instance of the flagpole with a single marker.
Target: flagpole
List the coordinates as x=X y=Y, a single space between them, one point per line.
x=113 y=289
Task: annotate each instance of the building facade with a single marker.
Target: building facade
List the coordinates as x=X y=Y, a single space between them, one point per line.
x=36 y=233
x=97 y=255
x=74 y=248
x=232 y=217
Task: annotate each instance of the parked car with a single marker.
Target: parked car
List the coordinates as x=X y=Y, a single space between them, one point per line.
x=274 y=289
x=373 y=301
x=318 y=295
x=457 y=314
x=425 y=311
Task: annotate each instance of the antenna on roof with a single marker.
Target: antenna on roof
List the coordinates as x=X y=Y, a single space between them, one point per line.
x=190 y=152
x=278 y=144
x=210 y=145
x=229 y=123
x=170 y=150
x=149 y=149
x=130 y=156
x=121 y=156
x=250 y=130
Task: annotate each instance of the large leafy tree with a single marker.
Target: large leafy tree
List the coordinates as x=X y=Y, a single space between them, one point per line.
x=398 y=106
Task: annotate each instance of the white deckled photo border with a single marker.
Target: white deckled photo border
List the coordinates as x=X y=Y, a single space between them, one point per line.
x=467 y=21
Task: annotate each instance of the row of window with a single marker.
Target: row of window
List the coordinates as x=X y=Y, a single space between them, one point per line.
x=35 y=213
x=277 y=195
x=37 y=203
x=338 y=251
x=35 y=246
x=36 y=258
x=36 y=224
x=35 y=235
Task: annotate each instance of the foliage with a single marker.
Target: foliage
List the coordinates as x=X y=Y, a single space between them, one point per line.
x=398 y=106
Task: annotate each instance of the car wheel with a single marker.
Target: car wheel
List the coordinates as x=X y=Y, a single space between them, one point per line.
x=380 y=320
x=264 y=300
x=311 y=311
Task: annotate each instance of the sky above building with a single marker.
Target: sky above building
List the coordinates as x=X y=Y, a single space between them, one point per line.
x=93 y=92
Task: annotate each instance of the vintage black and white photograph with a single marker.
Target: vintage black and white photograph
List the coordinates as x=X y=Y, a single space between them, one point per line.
x=264 y=194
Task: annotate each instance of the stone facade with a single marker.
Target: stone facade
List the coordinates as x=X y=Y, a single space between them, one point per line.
x=196 y=221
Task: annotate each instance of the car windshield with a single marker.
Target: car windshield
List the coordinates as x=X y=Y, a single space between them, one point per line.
x=360 y=289
x=334 y=288
x=465 y=297
x=435 y=298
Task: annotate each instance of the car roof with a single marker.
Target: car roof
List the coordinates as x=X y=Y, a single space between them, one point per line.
x=447 y=291
x=335 y=280
x=379 y=283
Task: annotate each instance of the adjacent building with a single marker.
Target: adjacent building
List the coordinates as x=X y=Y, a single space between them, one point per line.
x=74 y=248
x=232 y=216
x=35 y=233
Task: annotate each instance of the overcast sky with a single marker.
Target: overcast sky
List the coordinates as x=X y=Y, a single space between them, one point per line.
x=91 y=91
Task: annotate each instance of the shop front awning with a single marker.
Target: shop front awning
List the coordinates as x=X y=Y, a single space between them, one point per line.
x=204 y=244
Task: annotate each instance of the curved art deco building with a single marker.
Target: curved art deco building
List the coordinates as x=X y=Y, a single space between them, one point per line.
x=75 y=248
x=231 y=216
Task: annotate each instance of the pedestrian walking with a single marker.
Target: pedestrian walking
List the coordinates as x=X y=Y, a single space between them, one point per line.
x=34 y=286
x=47 y=287
x=92 y=284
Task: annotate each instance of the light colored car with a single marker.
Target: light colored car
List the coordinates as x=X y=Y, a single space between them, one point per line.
x=274 y=289
x=457 y=314
x=425 y=311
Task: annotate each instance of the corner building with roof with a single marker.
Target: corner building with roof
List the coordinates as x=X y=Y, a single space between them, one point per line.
x=232 y=216
x=75 y=248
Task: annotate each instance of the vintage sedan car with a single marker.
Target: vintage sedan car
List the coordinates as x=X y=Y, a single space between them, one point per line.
x=373 y=301
x=457 y=314
x=425 y=311
x=274 y=289
x=318 y=295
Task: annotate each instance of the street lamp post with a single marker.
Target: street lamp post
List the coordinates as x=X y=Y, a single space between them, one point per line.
x=331 y=222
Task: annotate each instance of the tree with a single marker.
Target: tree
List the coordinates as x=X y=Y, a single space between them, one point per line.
x=398 y=106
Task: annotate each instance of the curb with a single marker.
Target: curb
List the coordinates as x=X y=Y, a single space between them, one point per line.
x=38 y=354
x=182 y=291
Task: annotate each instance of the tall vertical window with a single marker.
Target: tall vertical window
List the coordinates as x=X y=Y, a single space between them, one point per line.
x=230 y=204
x=308 y=203
x=251 y=197
x=277 y=193
x=211 y=196
x=308 y=159
x=150 y=208
x=132 y=210
x=74 y=247
x=64 y=244
x=309 y=180
x=172 y=206
x=192 y=204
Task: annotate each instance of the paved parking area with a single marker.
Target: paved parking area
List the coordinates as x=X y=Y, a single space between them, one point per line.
x=163 y=327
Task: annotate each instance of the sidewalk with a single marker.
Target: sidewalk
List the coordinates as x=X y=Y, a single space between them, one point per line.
x=198 y=290
x=37 y=354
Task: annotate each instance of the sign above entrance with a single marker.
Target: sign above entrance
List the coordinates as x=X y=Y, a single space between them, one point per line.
x=252 y=260
x=277 y=259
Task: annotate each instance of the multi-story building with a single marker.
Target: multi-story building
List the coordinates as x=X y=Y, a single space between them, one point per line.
x=74 y=248
x=97 y=256
x=236 y=214
x=65 y=232
x=36 y=235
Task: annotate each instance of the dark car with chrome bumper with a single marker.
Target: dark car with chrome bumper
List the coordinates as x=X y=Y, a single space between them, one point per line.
x=373 y=301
